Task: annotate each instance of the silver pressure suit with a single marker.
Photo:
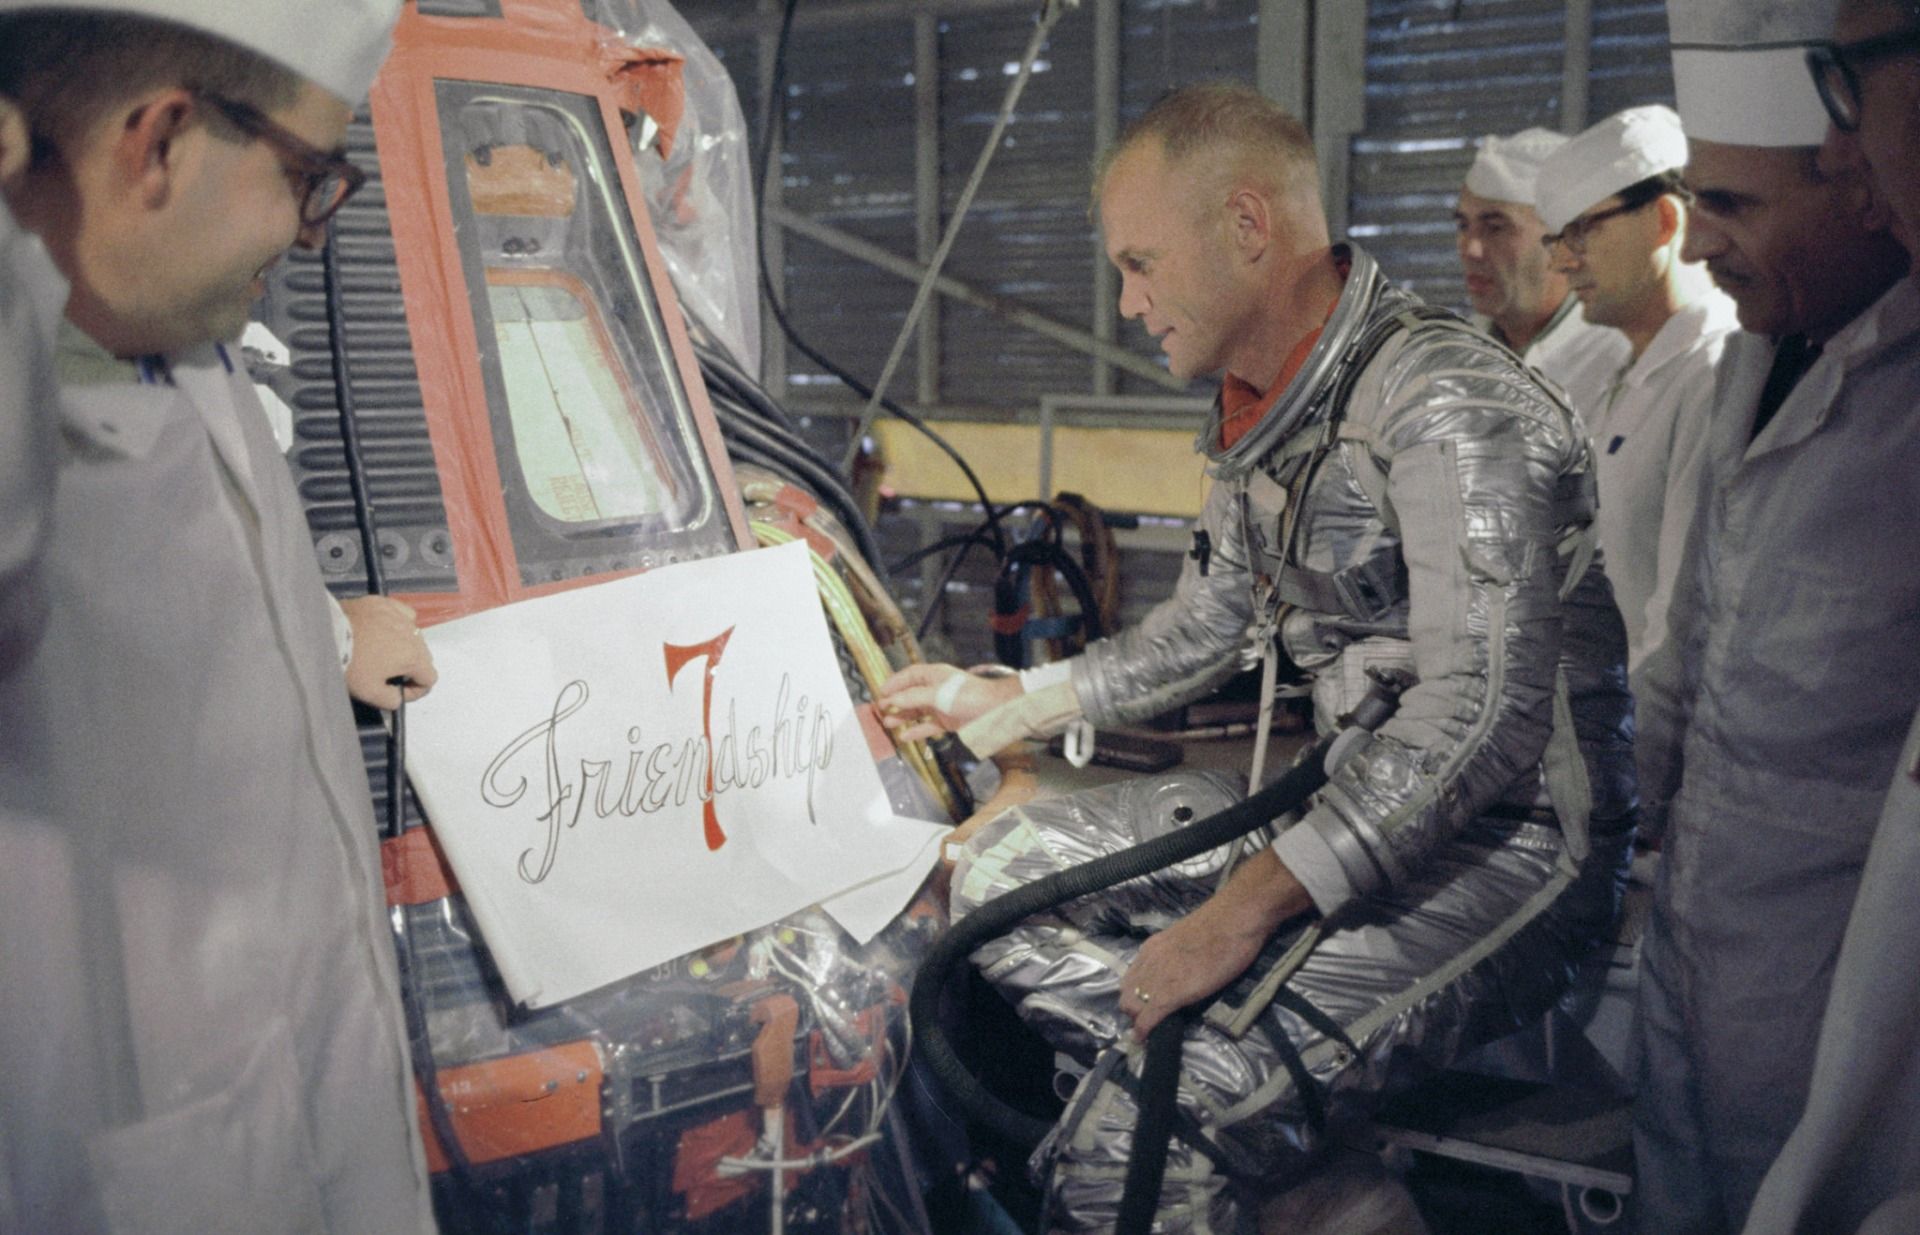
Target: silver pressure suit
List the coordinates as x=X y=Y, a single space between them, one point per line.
x=1413 y=499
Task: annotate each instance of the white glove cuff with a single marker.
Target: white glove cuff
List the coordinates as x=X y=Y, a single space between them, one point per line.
x=949 y=692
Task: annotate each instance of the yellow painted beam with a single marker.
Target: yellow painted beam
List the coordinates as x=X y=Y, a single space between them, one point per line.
x=1141 y=471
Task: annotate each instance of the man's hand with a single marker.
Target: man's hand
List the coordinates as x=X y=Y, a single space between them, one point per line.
x=386 y=645
x=924 y=701
x=1210 y=947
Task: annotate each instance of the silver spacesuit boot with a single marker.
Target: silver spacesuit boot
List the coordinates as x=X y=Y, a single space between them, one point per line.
x=1415 y=500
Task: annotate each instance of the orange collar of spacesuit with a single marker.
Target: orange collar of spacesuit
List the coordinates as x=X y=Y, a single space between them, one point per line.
x=1242 y=407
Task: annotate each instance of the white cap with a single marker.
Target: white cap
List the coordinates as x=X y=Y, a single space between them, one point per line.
x=1621 y=150
x=1506 y=167
x=1740 y=72
x=338 y=45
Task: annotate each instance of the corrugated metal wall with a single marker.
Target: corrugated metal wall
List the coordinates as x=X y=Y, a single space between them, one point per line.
x=1443 y=73
x=1027 y=234
x=1165 y=44
x=1630 y=62
x=849 y=162
x=1439 y=74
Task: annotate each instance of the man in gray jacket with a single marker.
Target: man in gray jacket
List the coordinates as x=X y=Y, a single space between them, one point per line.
x=1365 y=513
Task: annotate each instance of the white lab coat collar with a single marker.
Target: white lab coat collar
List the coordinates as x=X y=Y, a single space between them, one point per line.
x=1569 y=317
x=1890 y=321
x=116 y=416
x=106 y=424
x=1711 y=314
x=220 y=390
x=125 y=416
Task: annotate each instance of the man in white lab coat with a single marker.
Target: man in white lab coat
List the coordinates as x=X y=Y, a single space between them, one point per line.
x=1853 y=1162
x=1772 y=717
x=1617 y=215
x=1517 y=296
x=199 y=921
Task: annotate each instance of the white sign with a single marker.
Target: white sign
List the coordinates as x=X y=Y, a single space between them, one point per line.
x=624 y=773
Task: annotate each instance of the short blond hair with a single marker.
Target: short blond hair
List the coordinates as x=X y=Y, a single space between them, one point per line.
x=1264 y=140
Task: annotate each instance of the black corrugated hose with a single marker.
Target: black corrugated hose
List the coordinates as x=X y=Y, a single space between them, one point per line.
x=1286 y=794
x=1153 y=1129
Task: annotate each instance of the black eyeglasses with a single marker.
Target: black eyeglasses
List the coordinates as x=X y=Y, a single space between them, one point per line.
x=1574 y=234
x=324 y=180
x=1836 y=71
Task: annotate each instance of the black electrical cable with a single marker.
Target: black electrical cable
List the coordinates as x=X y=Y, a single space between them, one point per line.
x=966 y=542
x=1009 y=582
x=789 y=441
x=1091 y=625
x=780 y=465
x=736 y=412
x=752 y=402
x=939 y=595
x=420 y=1044
x=1048 y=549
x=735 y=394
x=993 y=918
x=732 y=410
x=722 y=381
x=815 y=476
x=973 y=536
x=716 y=364
x=1052 y=553
x=977 y=533
x=747 y=454
x=349 y=412
x=774 y=122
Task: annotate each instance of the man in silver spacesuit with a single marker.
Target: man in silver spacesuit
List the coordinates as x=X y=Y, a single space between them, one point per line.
x=1391 y=489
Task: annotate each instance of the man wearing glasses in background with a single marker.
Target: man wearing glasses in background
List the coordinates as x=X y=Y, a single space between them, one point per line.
x=1853 y=1163
x=1618 y=217
x=1772 y=715
x=1517 y=296
x=203 y=931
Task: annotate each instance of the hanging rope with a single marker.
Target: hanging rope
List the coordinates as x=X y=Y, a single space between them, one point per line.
x=1050 y=13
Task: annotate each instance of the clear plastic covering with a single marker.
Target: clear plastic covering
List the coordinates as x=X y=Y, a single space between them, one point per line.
x=775 y=1054
x=701 y=196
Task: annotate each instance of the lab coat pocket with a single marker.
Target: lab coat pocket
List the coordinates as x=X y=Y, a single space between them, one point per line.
x=237 y=1160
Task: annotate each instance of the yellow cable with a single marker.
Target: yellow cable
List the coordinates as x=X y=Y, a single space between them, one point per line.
x=867 y=655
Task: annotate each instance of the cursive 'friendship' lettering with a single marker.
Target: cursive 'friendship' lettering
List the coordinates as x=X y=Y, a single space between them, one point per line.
x=647 y=779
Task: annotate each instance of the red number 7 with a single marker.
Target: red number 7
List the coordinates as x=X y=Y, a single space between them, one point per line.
x=677 y=656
